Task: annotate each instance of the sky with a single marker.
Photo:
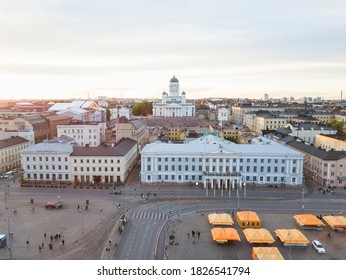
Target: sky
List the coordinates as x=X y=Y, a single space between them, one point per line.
x=53 y=49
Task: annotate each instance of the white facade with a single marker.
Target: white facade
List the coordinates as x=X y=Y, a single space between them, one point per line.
x=53 y=162
x=120 y=112
x=103 y=164
x=173 y=104
x=46 y=162
x=216 y=162
x=222 y=114
x=308 y=132
x=84 y=134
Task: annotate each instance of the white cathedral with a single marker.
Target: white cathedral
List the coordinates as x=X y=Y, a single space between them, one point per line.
x=173 y=104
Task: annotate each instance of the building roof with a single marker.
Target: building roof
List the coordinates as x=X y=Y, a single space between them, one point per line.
x=58 y=117
x=82 y=104
x=322 y=154
x=49 y=148
x=312 y=126
x=12 y=141
x=119 y=150
x=214 y=144
x=174 y=80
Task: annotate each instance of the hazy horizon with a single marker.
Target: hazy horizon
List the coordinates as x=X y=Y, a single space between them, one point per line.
x=223 y=49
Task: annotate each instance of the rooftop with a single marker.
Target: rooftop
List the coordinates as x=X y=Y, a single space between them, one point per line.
x=322 y=154
x=214 y=144
x=119 y=150
x=12 y=141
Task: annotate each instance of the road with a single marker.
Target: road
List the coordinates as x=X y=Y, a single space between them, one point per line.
x=87 y=232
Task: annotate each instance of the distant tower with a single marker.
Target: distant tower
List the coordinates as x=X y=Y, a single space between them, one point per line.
x=174 y=86
x=341 y=95
x=266 y=97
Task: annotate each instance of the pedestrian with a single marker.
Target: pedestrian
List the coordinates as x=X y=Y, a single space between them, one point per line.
x=86 y=207
x=51 y=238
x=78 y=207
x=39 y=248
x=59 y=235
x=202 y=213
x=45 y=235
x=328 y=235
x=110 y=241
x=42 y=245
x=63 y=242
x=61 y=245
x=188 y=235
x=27 y=243
x=116 y=244
x=193 y=233
x=198 y=234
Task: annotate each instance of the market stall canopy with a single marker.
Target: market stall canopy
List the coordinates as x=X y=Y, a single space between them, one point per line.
x=248 y=219
x=266 y=253
x=260 y=235
x=336 y=222
x=224 y=234
x=220 y=219
x=292 y=237
x=308 y=221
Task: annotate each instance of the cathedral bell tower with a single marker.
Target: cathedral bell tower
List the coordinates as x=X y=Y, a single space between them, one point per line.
x=174 y=87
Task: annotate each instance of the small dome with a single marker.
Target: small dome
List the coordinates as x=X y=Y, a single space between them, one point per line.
x=183 y=93
x=174 y=80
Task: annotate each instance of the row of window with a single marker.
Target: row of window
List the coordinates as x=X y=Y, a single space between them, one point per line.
x=13 y=150
x=59 y=159
x=98 y=169
x=47 y=167
x=96 y=161
x=269 y=179
x=53 y=177
x=241 y=168
x=78 y=130
x=255 y=160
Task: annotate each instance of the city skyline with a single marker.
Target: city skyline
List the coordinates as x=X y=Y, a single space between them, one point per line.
x=230 y=49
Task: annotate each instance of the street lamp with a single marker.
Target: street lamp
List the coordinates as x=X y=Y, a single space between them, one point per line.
x=82 y=216
x=303 y=192
x=9 y=233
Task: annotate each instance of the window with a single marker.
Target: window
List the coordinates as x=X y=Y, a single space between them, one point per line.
x=166 y=167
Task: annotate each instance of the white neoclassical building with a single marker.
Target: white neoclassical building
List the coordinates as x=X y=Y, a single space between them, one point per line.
x=216 y=162
x=174 y=104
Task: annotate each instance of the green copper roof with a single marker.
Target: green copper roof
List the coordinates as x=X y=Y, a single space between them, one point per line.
x=174 y=80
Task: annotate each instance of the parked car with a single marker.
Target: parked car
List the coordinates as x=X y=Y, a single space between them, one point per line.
x=318 y=246
x=52 y=204
x=116 y=192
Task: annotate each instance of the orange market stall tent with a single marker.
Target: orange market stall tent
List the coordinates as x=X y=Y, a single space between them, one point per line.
x=336 y=222
x=223 y=235
x=260 y=235
x=266 y=253
x=292 y=237
x=222 y=219
x=248 y=219
x=309 y=221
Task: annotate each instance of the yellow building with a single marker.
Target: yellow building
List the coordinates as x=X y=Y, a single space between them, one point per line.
x=177 y=134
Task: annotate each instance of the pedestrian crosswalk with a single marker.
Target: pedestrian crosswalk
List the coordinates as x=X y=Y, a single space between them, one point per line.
x=149 y=216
